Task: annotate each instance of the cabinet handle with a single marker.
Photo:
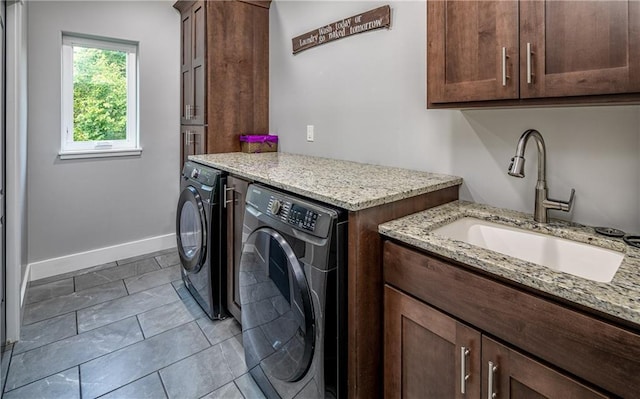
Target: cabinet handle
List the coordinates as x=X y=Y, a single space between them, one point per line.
x=504 y=66
x=187 y=112
x=224 y=196
x=492 y=373
x=529 y=72
x=464 y=376
x=187 y=138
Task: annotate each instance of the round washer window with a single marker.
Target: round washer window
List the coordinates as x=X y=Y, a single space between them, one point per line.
x=277 y=315
x=190 y=230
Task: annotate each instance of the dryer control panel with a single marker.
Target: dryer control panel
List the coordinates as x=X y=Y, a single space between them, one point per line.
x=292 y=213
x=303 y=217
x=296 y=212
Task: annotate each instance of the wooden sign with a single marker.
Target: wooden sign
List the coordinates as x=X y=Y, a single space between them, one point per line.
x=374 y=19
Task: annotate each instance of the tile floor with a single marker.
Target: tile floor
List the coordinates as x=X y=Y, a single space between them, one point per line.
x=128 y=329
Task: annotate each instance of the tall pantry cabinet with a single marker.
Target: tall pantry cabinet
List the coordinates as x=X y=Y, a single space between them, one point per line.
x=224 y=66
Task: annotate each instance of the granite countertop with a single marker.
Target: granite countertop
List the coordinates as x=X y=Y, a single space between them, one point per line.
x=619 y=298
x=349 y=185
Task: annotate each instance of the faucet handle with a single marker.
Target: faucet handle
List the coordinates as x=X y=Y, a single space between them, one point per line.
x=571 y=198
x=565 y=206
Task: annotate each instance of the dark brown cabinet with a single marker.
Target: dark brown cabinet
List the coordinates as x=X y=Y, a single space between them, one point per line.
x=425 y=351
x=193 y=64
x=578 y=48
x=224 y=71
x=431 y=355
x=510 y=374
x=465 y=45
x=532 y=52
x=520 y=345
x=236 y=191
x=192 y=141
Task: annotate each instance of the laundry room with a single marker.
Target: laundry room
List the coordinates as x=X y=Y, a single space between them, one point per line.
x=320 y=199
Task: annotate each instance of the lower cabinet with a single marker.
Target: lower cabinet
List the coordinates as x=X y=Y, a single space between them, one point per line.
x=426 y=353
x=449 y=328
x=431 y=355
x=236 y=191
x=510 y=374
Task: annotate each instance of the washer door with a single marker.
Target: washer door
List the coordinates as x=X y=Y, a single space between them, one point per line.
x=278 y=324
x=191 y=230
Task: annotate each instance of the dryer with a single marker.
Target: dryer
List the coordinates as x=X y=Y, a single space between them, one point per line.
x=201 y=233
x=292 y=279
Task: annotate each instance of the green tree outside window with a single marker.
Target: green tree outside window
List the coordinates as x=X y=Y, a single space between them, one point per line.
x=99 y=94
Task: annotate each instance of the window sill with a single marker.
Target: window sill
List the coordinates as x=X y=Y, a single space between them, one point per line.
x=100 y=153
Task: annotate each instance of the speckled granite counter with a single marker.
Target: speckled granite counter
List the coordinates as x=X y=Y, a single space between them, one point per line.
x=619 y=298
x=349 y=185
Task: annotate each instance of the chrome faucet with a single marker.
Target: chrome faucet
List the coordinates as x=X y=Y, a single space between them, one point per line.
x=516 y=169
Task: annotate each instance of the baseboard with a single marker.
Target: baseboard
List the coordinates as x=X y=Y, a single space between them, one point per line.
x=71 y=263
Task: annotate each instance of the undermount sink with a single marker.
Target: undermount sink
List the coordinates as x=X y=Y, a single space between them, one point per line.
x=582 y=260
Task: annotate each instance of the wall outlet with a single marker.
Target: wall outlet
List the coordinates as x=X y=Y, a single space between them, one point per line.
x=310 y=133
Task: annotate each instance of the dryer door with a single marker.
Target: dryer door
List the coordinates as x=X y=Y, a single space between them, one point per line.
x=191 y=230
x=278 y=324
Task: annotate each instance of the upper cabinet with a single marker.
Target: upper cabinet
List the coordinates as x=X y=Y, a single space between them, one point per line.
x=471 y=47
x=193 y=64
x=581 y=48
x=501 y=53
x=224 y=65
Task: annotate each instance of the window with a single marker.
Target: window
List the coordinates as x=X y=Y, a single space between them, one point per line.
x=99 y=98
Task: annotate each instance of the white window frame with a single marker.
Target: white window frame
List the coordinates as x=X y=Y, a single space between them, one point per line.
x=70 y=149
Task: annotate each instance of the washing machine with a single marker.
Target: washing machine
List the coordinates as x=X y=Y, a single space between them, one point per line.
x=292 y=279
x=201 y=232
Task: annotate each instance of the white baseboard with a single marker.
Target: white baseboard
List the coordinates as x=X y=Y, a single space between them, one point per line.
x=70 y=263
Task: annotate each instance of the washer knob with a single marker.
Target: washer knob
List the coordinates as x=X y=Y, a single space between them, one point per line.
x=275 y=207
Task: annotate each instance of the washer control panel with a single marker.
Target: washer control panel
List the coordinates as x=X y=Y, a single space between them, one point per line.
x=292 y=213
x=200 y=174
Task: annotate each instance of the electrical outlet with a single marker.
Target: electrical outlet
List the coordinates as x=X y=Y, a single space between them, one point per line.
x=310 y=133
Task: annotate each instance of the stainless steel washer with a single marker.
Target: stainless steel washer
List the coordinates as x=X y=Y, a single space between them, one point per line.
x=201 y=233
x=293 y=295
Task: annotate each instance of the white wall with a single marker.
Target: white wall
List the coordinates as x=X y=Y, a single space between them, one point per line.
x=83 y=205
x=16 y=165
x=365 y=95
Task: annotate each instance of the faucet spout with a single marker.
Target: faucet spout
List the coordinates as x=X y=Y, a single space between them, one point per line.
x=516 y=169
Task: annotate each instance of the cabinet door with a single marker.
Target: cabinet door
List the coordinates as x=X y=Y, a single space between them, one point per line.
x=239 y=60
x=576 y=48
x=186 y=77
x=472 y=50
x=236 y=194
x=197 y=113
x=509 y=374
x=193 y=65
x=426 y=353
x=193 y=141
